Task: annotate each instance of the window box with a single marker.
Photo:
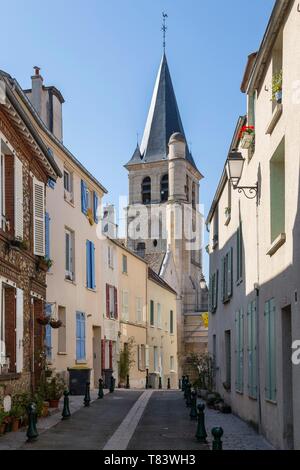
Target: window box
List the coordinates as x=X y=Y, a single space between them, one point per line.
x=277 y=243
x=246 y=141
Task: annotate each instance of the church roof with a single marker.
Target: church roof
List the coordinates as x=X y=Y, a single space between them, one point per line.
x=163 y=121
x=155 y=261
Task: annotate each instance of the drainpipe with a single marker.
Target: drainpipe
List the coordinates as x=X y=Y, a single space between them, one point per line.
x=257 y=288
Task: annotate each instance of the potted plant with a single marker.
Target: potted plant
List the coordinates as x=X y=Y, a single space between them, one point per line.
x=55 y=390
x=125 y=362
x=16 y=413
x=18 y=243
x=277 y=87
x=43 y=320
x=54 y=323
x=247 y=136
x=44 y=264
x=90 y=216
x=3 y=417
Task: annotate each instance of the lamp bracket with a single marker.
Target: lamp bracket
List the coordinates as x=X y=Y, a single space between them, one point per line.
x=249 y=191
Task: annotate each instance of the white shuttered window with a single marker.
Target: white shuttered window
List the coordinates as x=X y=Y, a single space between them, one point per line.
x=39 y=217
x=19 y=216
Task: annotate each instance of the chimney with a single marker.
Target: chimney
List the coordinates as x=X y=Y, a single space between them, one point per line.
x=47 y=101
x=37 y=89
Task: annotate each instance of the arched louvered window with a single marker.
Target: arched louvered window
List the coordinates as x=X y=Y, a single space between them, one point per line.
x=146 y=190
x=164 y=188
x=194 y=196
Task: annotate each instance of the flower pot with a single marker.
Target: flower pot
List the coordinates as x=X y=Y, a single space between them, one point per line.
x=45 y=409
x=247 y=140
x=278 y=96
x=2 y=428
x=55 y=324
x=53 y=403
x=43 y=320
x=15 y=424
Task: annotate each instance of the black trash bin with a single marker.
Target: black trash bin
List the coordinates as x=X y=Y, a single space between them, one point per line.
x=78 y=379
x=107 y=375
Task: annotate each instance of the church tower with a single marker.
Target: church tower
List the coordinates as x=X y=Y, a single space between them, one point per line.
x=164 y=186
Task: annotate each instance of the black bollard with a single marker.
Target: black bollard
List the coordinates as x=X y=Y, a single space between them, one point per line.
x=127 y=383
x=160 y=384
x=32 y=433
x=201 y=433
x=169 y=384
x=112 y=385
x=186 y=384
x=100 y=392
x=87 y=397
x=183 y=383
x=66 y=414
x=193 y=413
x=147 y=379
x=217 y=435
x=189 y=396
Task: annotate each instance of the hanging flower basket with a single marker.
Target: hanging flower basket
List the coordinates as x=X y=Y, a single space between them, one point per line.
x=43 y=320
x=55 y=324
x=247 y=136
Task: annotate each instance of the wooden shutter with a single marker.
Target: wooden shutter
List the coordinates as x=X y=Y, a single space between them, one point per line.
x=84 y=201
x=116 y=313
x=229 y=273
x=19 y=214
x=271 y=388
x=252 y=350
x=47 y=235
x=88 y=265
x=39 y=217
x=147 y=356
x=93 y=274
x=96 y=204
x=19 y=330
x=223 y=280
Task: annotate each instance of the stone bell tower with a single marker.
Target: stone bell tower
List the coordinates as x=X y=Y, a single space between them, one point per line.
x=164 y=180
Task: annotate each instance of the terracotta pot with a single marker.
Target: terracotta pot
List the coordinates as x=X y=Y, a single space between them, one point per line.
x=45 y=410
x=15 y=424
x=53 y=403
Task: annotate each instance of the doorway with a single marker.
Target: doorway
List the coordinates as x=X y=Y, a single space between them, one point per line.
x=287 y=379
x=97 y=354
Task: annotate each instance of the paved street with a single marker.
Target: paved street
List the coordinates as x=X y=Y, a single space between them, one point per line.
x=135 y=420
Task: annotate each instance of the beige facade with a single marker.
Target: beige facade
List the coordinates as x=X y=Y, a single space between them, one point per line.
x=254 y=252
x=162 y=358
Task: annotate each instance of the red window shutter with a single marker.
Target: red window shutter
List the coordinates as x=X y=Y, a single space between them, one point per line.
x=110 y=355
x=107 y=301
x=103 y=354
x=116 y=303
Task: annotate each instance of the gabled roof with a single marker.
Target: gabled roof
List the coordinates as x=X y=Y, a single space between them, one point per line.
x=158 y=280
x=163 y=121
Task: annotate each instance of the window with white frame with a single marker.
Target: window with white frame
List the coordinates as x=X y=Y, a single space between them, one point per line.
x=124 y=264
x=112 y=301
x=68 y=185
x=125 y=305
x=110 y=257
x=69 y=255
x=159 y=316
x=139 y=310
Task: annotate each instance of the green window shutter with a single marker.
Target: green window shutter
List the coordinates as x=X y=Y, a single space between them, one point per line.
x=229 y=273
x=222 y=280
x=250 y=350
x=241 y=350
x=239 y=328
x=241 y=252
x=238 y=254
x=270 y=325
x=210 y=307
x=254 y=348
x=237 y=347
x=217 y=289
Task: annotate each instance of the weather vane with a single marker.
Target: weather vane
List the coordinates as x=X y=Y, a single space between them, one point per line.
x=164 y=29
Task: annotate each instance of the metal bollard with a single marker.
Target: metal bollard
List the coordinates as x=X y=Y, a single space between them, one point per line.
x=217 y=435
x=193 y=413
x=147 y=379
x=100 y=392
x=32 y=433
x=127 y=383
x=87 y=396
x=169 y=384
x=201 y=433
x=160 y=384
x=112 y=385
x=189 y=396
x=66 y=414
x=182 y=383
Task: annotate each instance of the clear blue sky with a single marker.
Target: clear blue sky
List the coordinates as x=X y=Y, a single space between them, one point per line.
x=104 y=56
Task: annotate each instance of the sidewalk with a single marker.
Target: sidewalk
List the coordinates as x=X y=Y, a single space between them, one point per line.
x=15 y=440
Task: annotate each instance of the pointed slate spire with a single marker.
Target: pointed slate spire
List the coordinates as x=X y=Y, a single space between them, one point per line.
x=136 y=157
x=163 y=119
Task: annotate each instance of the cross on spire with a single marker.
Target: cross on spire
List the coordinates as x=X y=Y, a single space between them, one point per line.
x=164 y=29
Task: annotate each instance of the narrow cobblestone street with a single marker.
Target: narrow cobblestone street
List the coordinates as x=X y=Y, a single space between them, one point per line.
x=135 y=420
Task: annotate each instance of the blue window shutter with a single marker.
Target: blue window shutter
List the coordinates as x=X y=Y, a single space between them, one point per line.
x=88 y=264
x=83 y=336
x=83 y=197
x=80 y=336
x=51 y=183
x=96 y=202
x=93 y=278
x=48 y=342
x=78 y=352
x=270 y=325
x=47 y=235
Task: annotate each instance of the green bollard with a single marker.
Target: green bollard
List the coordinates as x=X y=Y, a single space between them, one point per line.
x=160 y=384
x=112 y=385
x=217 y=435
x=127 y=383
x=66 y=413
x=100 y=392
x=87 y=397
x=189 y=396
x=193 y=413
x=201 y=433
x=32 y=433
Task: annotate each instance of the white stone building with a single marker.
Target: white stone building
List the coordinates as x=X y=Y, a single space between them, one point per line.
x=254 y=248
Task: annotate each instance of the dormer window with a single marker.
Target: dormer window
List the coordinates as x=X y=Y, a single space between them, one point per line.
x=164 y=188
x=146 y=190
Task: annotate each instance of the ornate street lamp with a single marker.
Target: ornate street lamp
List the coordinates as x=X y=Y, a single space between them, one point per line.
x=235 y=164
